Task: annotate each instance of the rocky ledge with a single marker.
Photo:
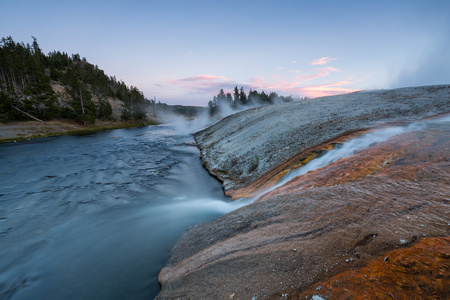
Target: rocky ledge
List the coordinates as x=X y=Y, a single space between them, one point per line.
x=245 y=146
x=371 y=225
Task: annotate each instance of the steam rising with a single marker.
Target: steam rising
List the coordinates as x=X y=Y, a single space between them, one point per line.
x=182 y=126
x=185 y=126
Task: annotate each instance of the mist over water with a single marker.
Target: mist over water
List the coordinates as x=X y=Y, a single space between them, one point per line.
x=184 y=126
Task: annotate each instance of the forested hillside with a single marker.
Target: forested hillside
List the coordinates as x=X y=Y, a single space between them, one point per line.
x=61 y=86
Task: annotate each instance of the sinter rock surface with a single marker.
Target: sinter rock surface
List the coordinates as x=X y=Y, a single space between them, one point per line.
x=244 y=146
x=342 y=217
x=327 y=222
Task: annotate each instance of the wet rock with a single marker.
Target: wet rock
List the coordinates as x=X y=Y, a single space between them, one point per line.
x=418 y=272
x=340 y=219
x=273 y=134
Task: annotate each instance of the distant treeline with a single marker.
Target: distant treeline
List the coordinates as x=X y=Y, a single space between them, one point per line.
x=181 y=110
x=239 y=100
x=27 y=76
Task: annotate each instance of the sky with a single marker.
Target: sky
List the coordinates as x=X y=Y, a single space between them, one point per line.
x=184 y=52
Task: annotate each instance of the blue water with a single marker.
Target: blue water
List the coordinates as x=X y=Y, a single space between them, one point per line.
x=95 y=216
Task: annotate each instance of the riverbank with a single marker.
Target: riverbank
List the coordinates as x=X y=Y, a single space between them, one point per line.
x=19 y=131
x=335 y=231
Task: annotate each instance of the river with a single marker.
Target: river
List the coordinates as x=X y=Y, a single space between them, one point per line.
x=95 y=216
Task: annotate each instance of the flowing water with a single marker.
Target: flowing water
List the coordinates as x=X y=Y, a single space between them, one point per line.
x=352 y=146
x=95 y=216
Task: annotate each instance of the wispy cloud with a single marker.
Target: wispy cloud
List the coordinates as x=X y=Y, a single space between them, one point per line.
x=322 y=72
x=329 y=89
x=297 y=84
x=286 y=87
x=260 y=83
x=322 y=61
x=203 y=84
x=201 y=79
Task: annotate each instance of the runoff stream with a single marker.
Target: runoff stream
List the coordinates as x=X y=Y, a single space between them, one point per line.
x=95 y=216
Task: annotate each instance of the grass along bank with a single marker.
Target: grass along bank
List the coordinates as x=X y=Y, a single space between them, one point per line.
x=20 y=131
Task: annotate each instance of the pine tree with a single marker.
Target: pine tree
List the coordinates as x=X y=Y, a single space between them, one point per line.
x=242 y=97
x=236 y=99
x=26 y=76
x=229 y=100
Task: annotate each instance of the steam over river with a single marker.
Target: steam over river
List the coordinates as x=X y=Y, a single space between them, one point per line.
x=94 y=217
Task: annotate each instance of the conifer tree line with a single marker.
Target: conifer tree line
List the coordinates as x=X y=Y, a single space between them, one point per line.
x=239 y=99
x=27 y=75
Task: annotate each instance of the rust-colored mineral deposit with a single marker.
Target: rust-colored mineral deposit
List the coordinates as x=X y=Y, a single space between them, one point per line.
x=419 y=272
x=374 y=225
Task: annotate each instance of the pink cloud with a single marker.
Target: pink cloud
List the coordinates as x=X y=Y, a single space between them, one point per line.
x=329 y=89
x=286 y=87
x=275 y=86
x=200 y=79
x=203 y=84
x=322 y=61
x=321 y=73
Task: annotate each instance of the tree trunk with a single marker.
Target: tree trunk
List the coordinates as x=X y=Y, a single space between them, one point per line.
x=3 y=79
x=13 y=80
x=81 y=101
x=82 y=107
x=28 y=114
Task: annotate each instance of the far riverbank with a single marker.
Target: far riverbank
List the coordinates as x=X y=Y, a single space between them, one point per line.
x=25 y=130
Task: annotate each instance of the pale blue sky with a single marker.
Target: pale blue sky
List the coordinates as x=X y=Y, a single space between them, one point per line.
x=183 y=52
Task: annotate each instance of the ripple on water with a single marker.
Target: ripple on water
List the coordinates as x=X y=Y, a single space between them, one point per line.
x=95 y=216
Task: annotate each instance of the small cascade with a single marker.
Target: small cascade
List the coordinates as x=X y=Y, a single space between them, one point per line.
x=347 y=149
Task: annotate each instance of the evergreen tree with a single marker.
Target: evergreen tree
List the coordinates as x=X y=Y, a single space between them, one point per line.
x=212 y=108
x=82 y=103
x=273 y=97
x=26 y=75
x=242 y=97
x=229 y=100
x=7 y=111
x=253 y=97
x=221 y=98
x=264 y=98
x=236 y=99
